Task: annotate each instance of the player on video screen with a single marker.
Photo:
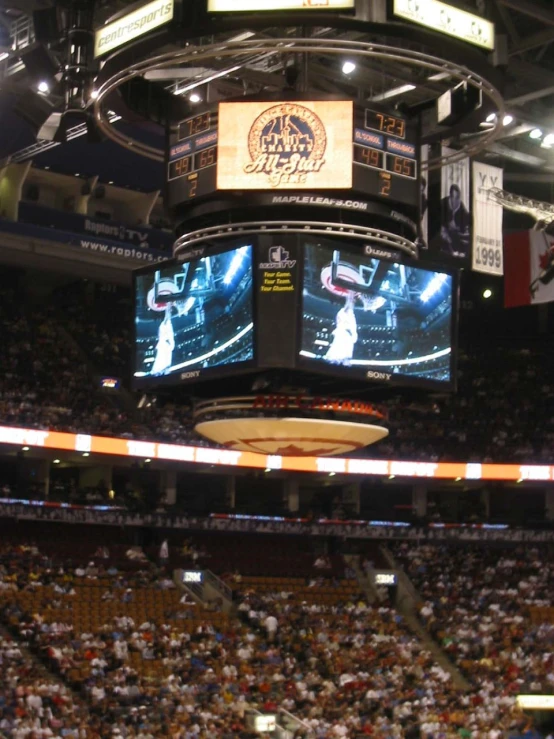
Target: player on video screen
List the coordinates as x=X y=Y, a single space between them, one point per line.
x=165 y=345
x=345 y=334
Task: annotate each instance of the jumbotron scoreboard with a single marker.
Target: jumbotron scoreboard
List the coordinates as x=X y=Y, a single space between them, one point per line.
x=313 y=145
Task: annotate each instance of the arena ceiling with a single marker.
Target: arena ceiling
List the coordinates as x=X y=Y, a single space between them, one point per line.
x=528 y=27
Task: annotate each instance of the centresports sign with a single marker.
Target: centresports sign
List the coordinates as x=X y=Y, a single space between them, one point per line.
x=133 y=25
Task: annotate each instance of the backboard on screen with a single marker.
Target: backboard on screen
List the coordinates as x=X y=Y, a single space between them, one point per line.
x=364 y=317
x=194 y=317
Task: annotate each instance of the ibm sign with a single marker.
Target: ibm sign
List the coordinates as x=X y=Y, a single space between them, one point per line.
x=385 y=578
x=193 y=577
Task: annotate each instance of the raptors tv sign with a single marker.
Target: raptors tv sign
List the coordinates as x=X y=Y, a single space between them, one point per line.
x=288 y=145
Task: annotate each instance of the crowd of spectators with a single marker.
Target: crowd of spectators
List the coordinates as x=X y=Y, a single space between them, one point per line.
x=44 y=381
x=481 y=605
x=98 y=317
x=343 y=667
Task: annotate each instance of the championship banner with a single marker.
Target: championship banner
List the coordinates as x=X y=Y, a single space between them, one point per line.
x=455 y=216
x=285 y=145
x=487 y=221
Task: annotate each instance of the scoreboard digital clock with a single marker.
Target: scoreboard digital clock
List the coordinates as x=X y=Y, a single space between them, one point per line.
x=294 y=145
x=192 y=158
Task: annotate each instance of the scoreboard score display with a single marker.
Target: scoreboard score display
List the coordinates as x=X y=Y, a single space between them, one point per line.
x=331 y=145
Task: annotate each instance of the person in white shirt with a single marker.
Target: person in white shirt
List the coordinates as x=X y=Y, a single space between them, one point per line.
x=271 y=625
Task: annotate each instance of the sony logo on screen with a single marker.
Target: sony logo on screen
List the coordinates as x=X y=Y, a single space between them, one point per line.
x=371 y=251
x=193 y=577
x=371 y=375
x=190 y=375
x=278 y=259
x=131 y=26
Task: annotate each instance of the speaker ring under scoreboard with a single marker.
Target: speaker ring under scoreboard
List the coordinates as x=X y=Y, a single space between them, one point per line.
x=237 y=49
x=366 y=234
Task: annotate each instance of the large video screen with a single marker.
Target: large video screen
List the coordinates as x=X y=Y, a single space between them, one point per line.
x=194 y=316
x=369 y=317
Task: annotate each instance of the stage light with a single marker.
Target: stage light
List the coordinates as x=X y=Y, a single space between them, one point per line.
x=86 y=454
x=348 y=67
x=195 y=98
x=435 y=284
x=507 y=119
x=536 y=133
x=94 y=94
x=548 y=141
x=491 y=118
x=235 y=265
x=457 y=479
x=487 y=294
x=25 y=449
x=147 y=461
x=332 y=474
x=43 y=87
x=56 y=461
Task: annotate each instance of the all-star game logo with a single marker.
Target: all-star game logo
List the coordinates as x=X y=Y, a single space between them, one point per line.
x=286 y=142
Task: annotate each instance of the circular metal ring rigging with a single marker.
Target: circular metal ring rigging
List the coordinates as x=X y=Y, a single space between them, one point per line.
x=319 y=228
x=244 y=48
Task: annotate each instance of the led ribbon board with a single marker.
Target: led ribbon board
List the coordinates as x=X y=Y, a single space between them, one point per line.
x=230 y=6
x=449 y=20
x=285 y=145
x=133 y=25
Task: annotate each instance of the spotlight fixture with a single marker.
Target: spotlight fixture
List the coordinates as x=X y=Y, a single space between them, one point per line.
x=487 y=294
x=507 y=119
x=548 y=141
x=43 y=87
x=195 y=98
x=536 y=133
x=491 y=118
x=56 y=461
x=25 y=449
x=348 y=67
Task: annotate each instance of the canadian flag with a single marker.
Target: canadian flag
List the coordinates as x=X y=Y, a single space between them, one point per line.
x=528 y=268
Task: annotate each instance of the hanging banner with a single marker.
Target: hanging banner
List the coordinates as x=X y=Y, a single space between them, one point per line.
x=487 y=221
x=424 y=182
x=455 y=216
x=529 y=268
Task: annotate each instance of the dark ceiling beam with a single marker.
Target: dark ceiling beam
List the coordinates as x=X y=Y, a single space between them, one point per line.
x=538 y=12
x=529 y=96
x=506 y=19
x=541 y=38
